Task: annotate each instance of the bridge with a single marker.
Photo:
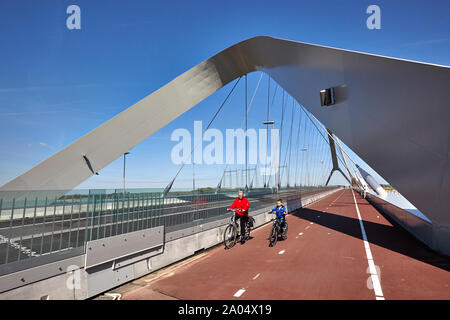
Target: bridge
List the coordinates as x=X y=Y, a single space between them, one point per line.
x=346 y=241
x=326 y=256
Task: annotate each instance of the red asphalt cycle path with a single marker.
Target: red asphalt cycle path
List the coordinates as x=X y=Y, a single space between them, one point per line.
x=324 y=257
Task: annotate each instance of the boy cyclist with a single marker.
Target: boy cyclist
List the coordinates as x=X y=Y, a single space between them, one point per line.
x=281 y=212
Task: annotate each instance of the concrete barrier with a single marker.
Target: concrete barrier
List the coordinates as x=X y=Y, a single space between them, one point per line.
x=82 y=283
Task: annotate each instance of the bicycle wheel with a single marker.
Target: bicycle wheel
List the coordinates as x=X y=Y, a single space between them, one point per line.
x=273 y=235
x=247 y=232
x=285 y=232
x=229 y=236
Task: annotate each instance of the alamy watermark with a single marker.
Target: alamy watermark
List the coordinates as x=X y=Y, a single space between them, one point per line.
x=74 y=279
x=230 y=150
x=369 y=282
x=374 y=20
x=74 y=20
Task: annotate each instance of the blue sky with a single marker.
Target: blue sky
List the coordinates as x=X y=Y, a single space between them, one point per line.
x=57 y=84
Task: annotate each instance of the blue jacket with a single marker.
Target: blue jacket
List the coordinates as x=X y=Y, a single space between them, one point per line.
x=280 y=211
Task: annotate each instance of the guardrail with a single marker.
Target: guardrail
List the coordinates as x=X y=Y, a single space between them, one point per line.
x=42 y=232
x=42 y=226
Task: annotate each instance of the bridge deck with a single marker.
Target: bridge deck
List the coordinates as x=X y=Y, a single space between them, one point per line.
x=324 y=257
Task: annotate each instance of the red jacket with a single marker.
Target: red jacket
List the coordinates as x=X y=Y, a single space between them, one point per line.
x=242 y=204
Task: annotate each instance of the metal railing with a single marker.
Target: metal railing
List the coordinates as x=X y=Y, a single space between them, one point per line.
x=39 y=226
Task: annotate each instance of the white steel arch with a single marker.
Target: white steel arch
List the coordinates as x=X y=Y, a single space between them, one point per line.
x=393 y=113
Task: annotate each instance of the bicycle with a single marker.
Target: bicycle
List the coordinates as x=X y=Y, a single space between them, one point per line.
x=277 y=230
x=231 y=231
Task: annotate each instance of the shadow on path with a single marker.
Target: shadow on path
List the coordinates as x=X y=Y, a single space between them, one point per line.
x=393 y=237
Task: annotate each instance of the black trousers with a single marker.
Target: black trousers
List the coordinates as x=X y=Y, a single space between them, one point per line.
x=243 y=221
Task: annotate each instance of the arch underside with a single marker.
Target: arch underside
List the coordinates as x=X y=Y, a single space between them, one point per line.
x=393 y=113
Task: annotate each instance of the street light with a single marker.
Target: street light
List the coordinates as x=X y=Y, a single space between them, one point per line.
x=193 y=176
x=307 y=162
x=124 y=155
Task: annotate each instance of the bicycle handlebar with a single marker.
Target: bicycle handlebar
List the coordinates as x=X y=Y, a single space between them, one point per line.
x=271 y=211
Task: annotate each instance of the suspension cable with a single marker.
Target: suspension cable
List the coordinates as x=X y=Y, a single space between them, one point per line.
x=289 y=147
x=297 y=147
x=169 y=186
x=246 y=114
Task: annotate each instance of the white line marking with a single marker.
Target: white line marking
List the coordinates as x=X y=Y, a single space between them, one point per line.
x=343 y=191
x=115 y=296
x=281 y=252
x=332 y=202
x=239 y=293
x=373 y=272
x=256 y=277
x=301 y=233
x=380 y=298
x=307 y=227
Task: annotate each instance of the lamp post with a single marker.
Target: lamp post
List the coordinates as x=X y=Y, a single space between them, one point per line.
x=123 y=192
x=267 y=142
x=124 y=156
x=193 y=176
